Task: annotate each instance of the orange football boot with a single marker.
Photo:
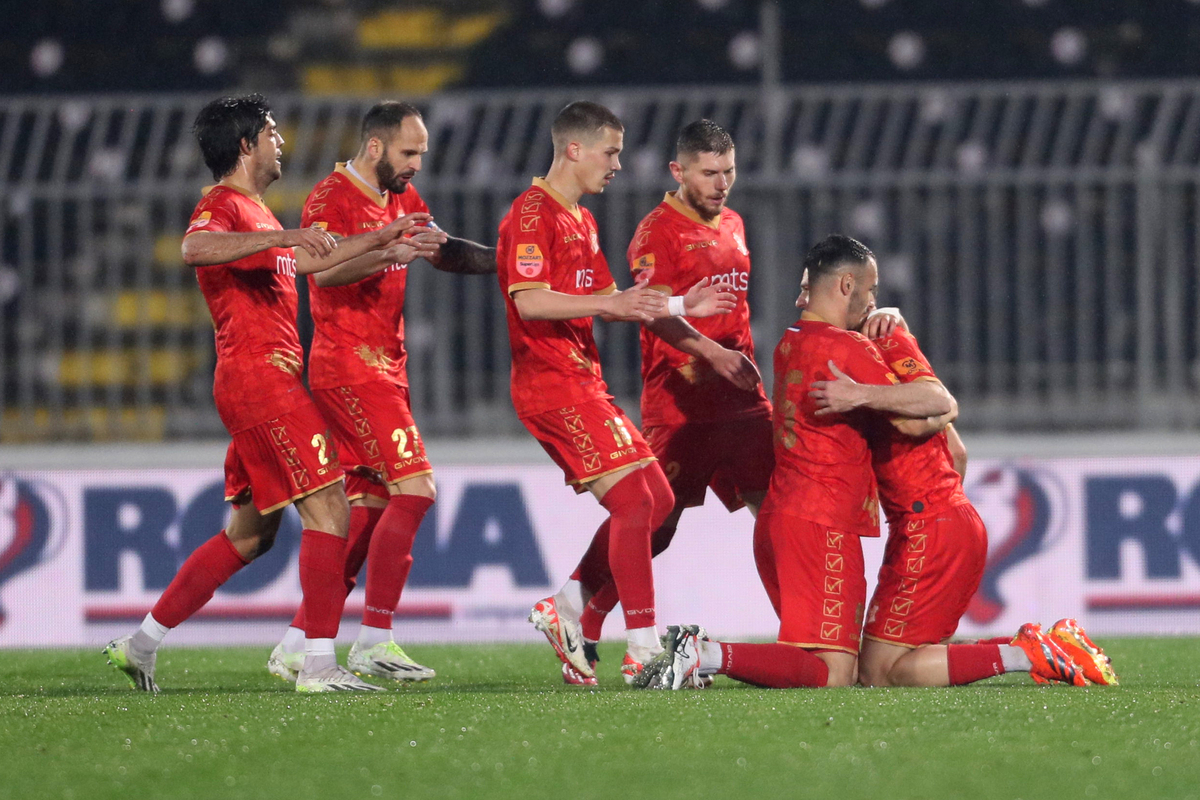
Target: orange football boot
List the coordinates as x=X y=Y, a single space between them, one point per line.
x=1097 y=667
x=1050 y=662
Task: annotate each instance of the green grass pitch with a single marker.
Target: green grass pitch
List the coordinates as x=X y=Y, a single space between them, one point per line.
x=498 y=722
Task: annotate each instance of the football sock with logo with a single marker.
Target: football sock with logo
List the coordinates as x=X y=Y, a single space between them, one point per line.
x=362 y=522
x=389 y=558
x=968 y=663
x=631 y=506
x=322 y=565
x=605 y=600
x=209 y=566
x=774 y=666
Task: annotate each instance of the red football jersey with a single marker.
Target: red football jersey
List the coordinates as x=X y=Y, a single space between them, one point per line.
x=253 y=306
x=822 y=463
x=547 y=244
x=358 y=330
x=916 y=477
x=678 y=249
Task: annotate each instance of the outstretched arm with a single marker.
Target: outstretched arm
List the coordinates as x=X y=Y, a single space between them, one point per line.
x=636 y=304
x=917 y=399
x=732 y=365
x=206 y=248
x=464 y=257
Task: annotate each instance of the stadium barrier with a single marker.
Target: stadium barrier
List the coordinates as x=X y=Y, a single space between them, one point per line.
x=1040 y=236
x=84 y=554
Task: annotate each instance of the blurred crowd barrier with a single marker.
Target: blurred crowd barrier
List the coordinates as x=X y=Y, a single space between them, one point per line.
x=1039 y=237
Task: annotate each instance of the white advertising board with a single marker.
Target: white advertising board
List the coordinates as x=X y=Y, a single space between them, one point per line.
x=85 y=553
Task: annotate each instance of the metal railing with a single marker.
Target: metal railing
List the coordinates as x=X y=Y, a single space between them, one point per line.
x=1040 y=237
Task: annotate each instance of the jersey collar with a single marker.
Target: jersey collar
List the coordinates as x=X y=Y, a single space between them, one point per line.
x=344 y=169
x=558 y=198
x=239 y=190
x=674 y=202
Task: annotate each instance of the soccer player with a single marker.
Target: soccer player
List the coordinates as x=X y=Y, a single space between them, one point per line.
x=281 y=451
x=704 y=412
x=555 y=279
x=935 y=556
x=821 y=498
x=357 y=373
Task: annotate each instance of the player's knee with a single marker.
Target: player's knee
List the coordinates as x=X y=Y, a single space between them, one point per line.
x=661 y=494
x=264 y=542
x=843 y=668
x=873 y=673
x=421 y=486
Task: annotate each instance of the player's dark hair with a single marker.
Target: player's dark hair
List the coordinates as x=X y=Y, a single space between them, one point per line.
x=832 y=252
x=582 y=119
x=703 y=136
x=223 y=124
x=385 y=117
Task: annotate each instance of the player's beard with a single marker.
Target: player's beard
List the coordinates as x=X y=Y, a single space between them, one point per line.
x=698 y=203
x=385 y=173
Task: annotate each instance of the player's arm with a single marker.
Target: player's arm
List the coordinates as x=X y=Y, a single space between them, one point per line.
x=464 y=257
x=359 y=244
x=958 y=451
x=732 y=365
x=206 y=248
x=919 y=399
x=636 y=304
x=403 y=250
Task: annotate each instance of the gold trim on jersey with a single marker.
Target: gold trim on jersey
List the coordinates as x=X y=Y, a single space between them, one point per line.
x=809 y=316
x=558 y=198
x=519 y=287
x=380 y=200
x=890 y=641
x=239 y=190
x=674 y=202
x=610 y=289
x=821 y=646
x=581 y=484
x=287 y=502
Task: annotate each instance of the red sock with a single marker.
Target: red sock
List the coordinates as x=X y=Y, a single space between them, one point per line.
x=322 y=579
x=631 y=508
x=596 y=611
x=362 y=521
x=390 y=557
x=209 y=566
x=973 y=662
x=664 y=498
x=593 y=571
x=995 y=640
x=774 y=666
x=603 y=601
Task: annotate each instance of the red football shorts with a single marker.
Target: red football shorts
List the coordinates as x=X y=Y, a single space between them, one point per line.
x=280 y=461
x=589 y=440
x=734 y=458
x=821 y=584
x=932 y=566
x=375 y=434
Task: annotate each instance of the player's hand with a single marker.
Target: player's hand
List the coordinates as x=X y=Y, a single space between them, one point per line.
x=707 y=299
x=735 y=367
x=638 y=303
x=424 y=243
x=401 y=226
x=317 y=242
x=883 y=322
x=838 y=396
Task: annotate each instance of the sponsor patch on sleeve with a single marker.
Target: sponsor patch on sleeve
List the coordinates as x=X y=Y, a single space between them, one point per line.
x=529 y=260
x=643 y=267
x=910 y=366
x=200 y=221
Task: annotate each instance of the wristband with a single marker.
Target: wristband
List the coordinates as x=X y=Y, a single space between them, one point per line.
x=675 y=305
x=892 y=310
